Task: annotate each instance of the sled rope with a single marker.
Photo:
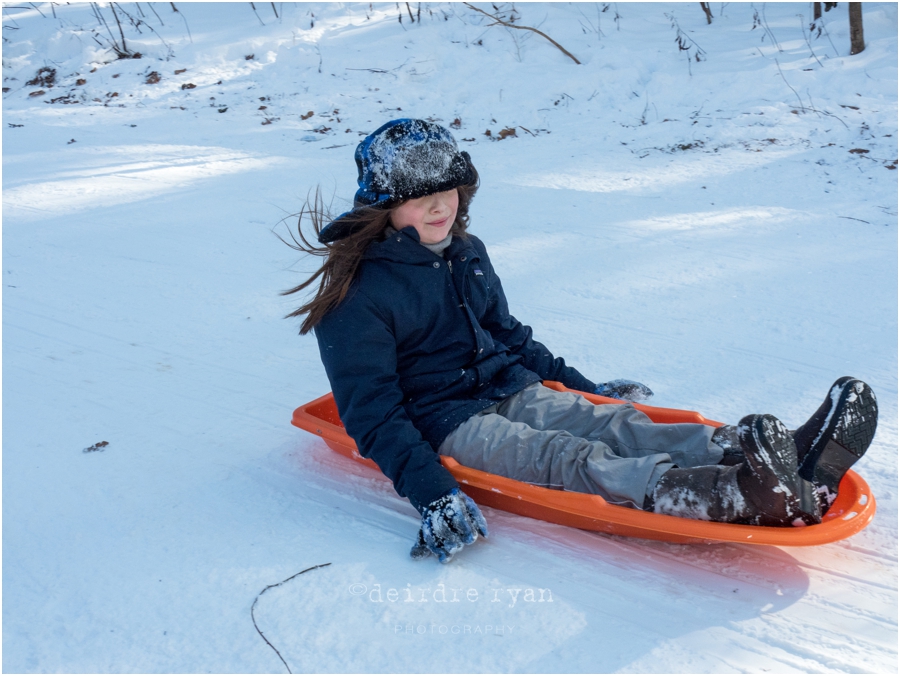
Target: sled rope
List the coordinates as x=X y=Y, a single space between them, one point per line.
x=253 y=608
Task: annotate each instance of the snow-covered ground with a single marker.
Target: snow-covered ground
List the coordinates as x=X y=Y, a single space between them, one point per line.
x=719 y=222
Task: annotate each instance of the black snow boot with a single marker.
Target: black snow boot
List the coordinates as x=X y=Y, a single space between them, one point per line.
x=764 y=490
x=836 y=436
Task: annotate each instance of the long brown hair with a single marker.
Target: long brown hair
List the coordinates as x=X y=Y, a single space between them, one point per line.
x=342 y=257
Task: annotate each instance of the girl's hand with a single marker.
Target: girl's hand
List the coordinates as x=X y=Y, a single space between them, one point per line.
x=449 y=524
x=628 y=390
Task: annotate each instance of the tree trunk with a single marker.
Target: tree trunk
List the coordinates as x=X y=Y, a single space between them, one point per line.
x=857 y=43
x=817 y=11
x=707 y=11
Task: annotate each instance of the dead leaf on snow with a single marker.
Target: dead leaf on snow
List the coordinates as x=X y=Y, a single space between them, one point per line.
x=46 y=77
x=99 y=446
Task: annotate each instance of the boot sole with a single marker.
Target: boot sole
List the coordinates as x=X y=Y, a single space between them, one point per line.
x=855 y=410
x=845 y=438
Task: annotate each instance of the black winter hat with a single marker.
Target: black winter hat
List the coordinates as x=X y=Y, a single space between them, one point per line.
x=402 y=160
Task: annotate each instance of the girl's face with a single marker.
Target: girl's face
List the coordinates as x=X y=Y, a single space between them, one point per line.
x=432 y=216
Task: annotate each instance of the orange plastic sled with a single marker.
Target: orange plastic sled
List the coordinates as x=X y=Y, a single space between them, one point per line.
x=852 y=511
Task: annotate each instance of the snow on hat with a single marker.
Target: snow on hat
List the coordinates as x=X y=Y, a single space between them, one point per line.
x=401 y=160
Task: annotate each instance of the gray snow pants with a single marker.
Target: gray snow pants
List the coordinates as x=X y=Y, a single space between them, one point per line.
x=561 y=440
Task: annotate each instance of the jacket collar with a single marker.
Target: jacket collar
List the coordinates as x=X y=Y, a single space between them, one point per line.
x=404 y=247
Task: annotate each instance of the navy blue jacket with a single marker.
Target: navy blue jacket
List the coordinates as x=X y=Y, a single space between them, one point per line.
x=419 y=345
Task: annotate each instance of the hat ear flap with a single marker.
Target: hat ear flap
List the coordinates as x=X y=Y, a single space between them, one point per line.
x=360 y=167
x=339 y=228
x=471 y=176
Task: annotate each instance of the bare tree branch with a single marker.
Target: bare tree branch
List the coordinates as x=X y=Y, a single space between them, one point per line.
x=253 y=7
x=112 y=6
x=501 y=22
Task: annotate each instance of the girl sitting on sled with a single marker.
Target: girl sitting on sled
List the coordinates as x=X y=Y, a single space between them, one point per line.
x=424 y=358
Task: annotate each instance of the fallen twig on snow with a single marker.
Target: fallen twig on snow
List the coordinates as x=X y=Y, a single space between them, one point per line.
x=501 y=22
x=802 y=107
x=272 y=586
x=778 y=65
